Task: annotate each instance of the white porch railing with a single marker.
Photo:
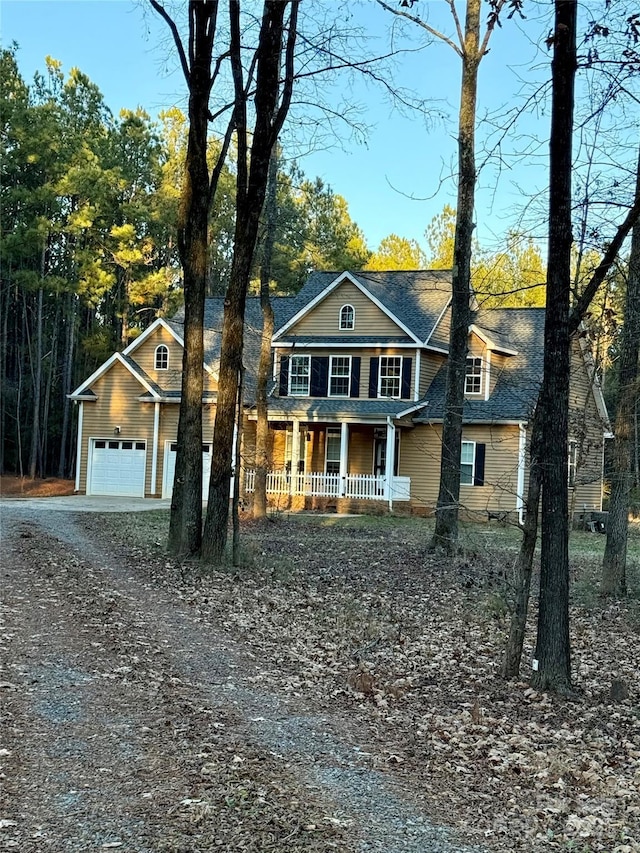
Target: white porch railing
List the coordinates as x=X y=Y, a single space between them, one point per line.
x=317 y=484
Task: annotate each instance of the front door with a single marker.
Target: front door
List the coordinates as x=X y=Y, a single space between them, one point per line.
x=380 y=453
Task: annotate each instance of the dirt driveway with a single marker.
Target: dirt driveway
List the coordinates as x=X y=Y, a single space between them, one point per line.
x=129 y=723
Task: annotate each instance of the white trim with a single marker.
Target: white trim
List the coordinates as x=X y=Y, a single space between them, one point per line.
x=467 y=375
x=345 y=276
x=295 y=451
x=350 y=328
x=79 y=446
x=107 y=366
x=596 y=388
x=155 y=357
x=473 y=466
x=380 y=396
x=159 y=323
x=411 y=409
x=154 y=446
x=416 y=378
x=338 y=344
x=437 y=323
x=489 y=342
x=333 y=430
x=522 y=461
x=487 y=376
x=339 y=396
x=344 y=453
x=389 y=462
x=289 y=393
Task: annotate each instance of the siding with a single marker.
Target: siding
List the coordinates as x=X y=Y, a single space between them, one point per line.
x=324 y=318
x=420 y=460
x=144 y=355
x=430 y=364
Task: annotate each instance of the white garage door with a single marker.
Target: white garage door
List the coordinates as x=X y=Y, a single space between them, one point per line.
x=117 y=468
x=170 y=449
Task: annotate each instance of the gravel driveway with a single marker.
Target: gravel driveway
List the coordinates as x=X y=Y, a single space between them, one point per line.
x=129 y=724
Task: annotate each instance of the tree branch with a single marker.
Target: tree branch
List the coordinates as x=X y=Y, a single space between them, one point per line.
x=176 y=37
x=436 y=33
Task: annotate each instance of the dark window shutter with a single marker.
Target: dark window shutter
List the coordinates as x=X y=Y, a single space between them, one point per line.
x=354 y=391
x=374 y=367
x=319 y=376
x=478 y=478
x=284 y=376
x=405 y=390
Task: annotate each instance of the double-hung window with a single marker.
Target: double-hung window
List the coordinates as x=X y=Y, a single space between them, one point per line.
x=347 y=317
x=473 y=376
x=339 y=375
x=299 y=375
x=334 y=443
x=573 y=463
x=467 y=463
x=162 y=358
x=390 y=376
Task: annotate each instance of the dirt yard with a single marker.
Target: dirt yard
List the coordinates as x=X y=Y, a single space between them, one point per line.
x=339 y=692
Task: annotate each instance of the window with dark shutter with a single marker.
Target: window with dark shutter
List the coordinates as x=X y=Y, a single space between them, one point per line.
x=478 y=476
x=405 y=392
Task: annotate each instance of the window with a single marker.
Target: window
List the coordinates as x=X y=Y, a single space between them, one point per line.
x=573 y=463
x=347 y=317
x=334 y=441
x=162 y=357
x=467 y=463
x=390 y=374
x=339 y=375
x=473 y=376
x=299 y=375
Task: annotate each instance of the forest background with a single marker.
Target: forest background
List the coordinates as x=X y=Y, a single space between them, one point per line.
x=88 y=247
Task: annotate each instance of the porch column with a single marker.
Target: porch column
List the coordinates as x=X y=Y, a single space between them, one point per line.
x=344 y=453
x=154 y=460
x=295 y=457
x=390 y=462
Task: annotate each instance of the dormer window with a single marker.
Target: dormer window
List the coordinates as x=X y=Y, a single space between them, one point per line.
x=162 y=357
x=473 y=376
x=347 y=317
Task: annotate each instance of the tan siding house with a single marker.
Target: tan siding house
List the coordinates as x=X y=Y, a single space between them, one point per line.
x=356 y=404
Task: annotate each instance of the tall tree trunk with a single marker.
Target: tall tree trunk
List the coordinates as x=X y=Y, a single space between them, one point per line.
x=185 y=526
x=237 y=468
x=36 y=372
x=264 y=364
x=614 y=564
x=524 y=562
x=553 y=651
x=5 y=301
x=445 y=535
x=67 y=379
x=251 y=184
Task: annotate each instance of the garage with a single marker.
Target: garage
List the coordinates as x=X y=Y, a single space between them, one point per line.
x=117 y=467
x=170 y=469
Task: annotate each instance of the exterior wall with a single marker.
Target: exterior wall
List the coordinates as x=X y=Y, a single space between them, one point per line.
x=324 y=318
x=360 y=449
x=144 y=355
x=420 y=460
x=430 y=364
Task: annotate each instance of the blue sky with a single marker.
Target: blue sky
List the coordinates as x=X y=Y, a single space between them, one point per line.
x=395 y=181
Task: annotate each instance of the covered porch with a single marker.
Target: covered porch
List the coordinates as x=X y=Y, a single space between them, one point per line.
x=347 y=460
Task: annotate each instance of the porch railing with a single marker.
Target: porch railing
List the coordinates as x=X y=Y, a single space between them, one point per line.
x=318 y=484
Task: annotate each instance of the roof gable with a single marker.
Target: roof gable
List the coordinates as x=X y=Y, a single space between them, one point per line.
x=84 y=390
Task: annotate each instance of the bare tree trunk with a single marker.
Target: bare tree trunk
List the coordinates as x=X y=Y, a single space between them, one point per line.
x=614 y=564
x=235 y=509
x=5 y=301
x=264 y=365
x=67 y=379
x=553 y=650
x=524 y=562
x=445 y=535
x=36 y=372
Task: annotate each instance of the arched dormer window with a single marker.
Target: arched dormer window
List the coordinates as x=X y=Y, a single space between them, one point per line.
x=162 y=357
x=347 y=317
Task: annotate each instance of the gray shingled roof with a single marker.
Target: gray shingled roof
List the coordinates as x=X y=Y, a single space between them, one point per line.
x=332 y=407
x=370 y=340
x=517 y=385
x=416 y=297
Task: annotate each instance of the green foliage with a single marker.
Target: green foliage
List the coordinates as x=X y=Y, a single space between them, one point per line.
x=397 y=253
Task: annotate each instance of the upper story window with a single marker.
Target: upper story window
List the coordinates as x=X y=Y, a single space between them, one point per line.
x=473 y=376
x=162 y=357
x=299 y=374
x=339 y=375
x=390 y=376
x=347 y=317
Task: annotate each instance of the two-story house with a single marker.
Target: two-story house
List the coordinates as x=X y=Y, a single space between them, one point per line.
x=356 y=403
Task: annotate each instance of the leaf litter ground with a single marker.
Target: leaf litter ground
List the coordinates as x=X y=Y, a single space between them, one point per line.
x=338 y=692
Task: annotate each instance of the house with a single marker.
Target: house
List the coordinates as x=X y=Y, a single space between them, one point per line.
x=356 y=404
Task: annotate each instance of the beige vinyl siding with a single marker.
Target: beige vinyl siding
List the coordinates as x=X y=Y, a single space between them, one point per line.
x=442 y=331
x=144 y=355
x=323 y=319
x=497 y=366
x=360 y=449
x=117 y=405
x=430 y=364
x=420 y=460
